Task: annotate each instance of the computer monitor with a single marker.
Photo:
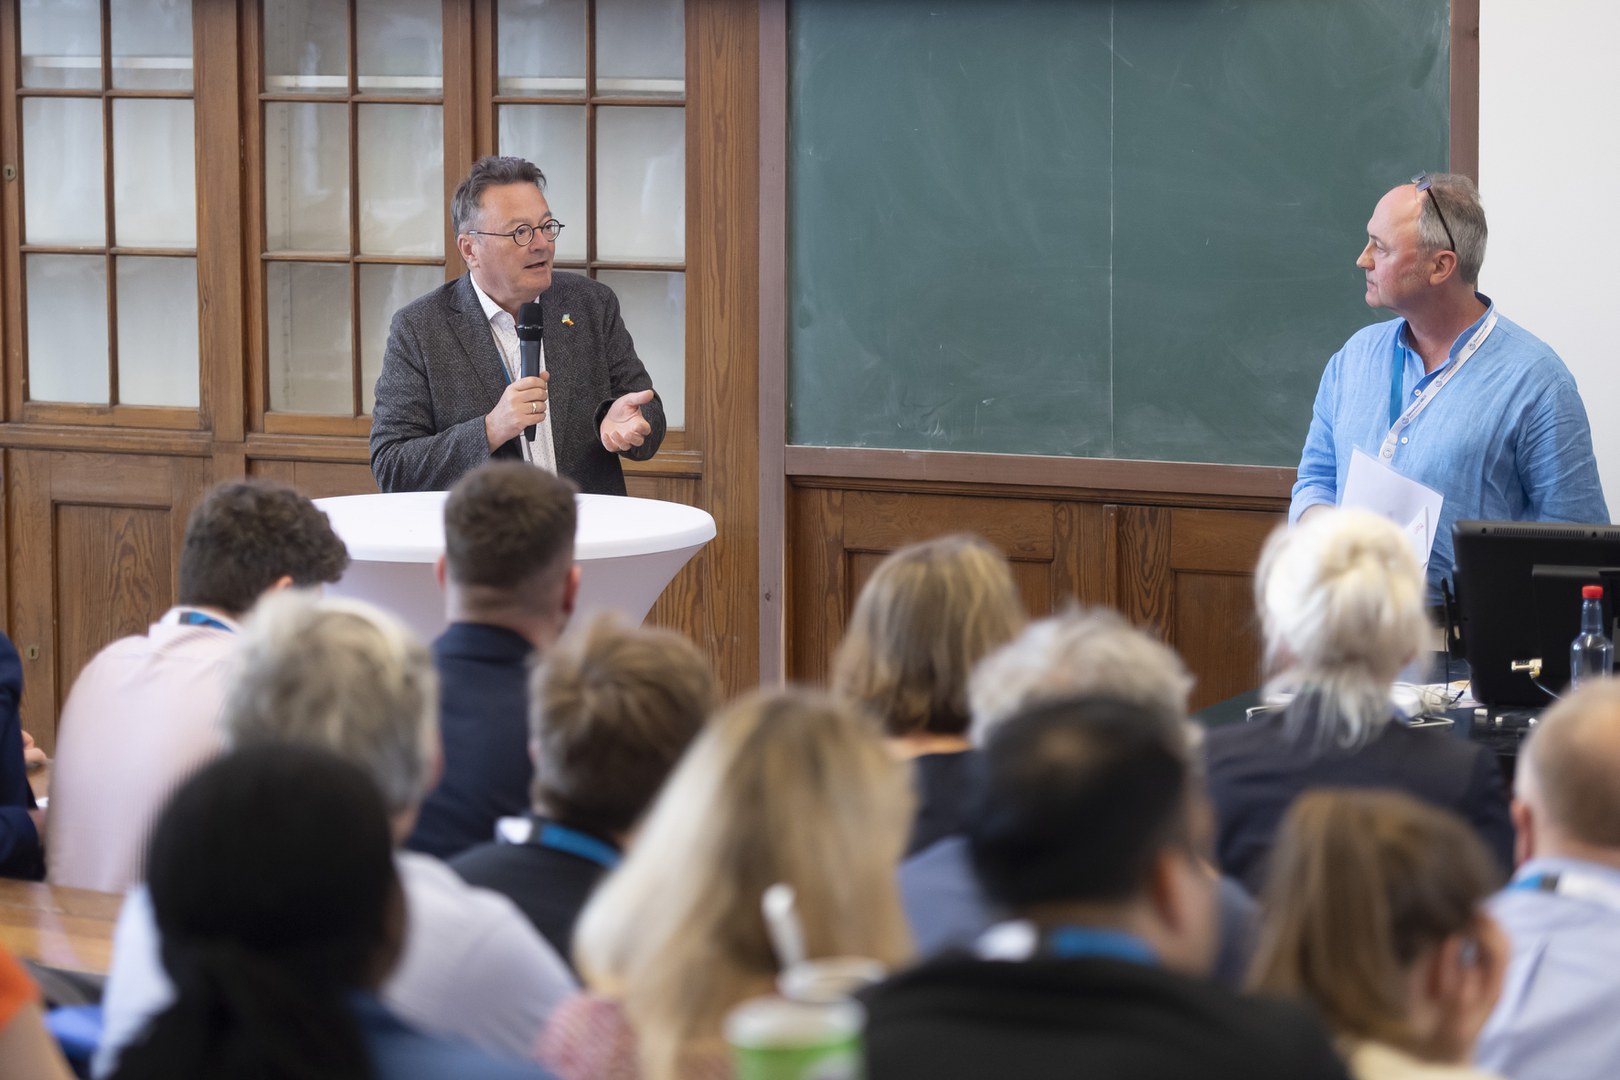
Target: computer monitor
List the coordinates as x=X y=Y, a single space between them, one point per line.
x=1518 y=587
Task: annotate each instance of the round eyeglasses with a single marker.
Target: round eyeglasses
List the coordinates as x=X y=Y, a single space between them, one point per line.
x=523 y=235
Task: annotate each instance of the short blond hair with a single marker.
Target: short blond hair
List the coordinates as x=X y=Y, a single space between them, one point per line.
x=929 y=613
x=789 y=787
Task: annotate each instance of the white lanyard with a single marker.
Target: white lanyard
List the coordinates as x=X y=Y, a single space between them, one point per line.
x=1414 y=410
x=1576 y=885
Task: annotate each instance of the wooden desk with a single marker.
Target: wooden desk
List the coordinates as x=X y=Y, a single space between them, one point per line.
x=67 y=929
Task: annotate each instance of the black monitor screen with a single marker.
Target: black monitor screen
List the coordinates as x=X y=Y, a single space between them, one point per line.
x=1519 y=598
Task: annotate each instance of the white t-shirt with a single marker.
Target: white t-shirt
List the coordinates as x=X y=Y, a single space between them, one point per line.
x=474 y=967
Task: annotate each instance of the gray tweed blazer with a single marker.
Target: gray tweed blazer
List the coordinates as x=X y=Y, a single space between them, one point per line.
x=442 y=373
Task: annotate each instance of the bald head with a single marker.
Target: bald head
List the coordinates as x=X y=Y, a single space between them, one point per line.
x=1569 y=774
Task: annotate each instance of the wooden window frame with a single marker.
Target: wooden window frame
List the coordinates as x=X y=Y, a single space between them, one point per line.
x=14 y=260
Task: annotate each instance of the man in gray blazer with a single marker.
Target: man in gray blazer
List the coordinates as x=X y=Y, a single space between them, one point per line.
x=450 y=395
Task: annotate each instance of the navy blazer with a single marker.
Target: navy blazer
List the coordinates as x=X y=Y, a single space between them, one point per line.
x=484 y=726
x=21 y=855
x=442 y=374
x=1256 y=771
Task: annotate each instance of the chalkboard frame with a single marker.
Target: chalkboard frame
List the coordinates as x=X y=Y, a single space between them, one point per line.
x=1191 y=478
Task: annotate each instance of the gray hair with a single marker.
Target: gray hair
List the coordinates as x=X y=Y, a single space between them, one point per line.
x=488 y=172
x=1458 y=200
x=342 y=675
x=1083 y=651
x=1341 y=603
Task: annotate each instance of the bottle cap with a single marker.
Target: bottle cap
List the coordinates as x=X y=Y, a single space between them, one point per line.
x=1591 y=592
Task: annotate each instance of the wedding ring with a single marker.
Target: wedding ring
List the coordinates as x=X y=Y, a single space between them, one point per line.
x=534 y=406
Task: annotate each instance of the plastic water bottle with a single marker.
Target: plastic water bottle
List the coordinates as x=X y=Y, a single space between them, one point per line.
x=1591 y=654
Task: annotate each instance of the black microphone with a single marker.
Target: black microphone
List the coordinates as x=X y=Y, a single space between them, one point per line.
x=529 y=330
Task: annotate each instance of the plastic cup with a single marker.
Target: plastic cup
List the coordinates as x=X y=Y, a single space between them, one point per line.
x=773 y=1038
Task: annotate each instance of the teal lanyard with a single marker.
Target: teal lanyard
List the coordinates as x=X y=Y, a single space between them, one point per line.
x=1397 y=394
x=562 y=838
x=1082 y=942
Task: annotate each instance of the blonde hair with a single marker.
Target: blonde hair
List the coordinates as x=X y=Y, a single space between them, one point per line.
x=928 y=614
x=1341 y=598
x=1362 y=883
x=786 y=786
x=1082 y=651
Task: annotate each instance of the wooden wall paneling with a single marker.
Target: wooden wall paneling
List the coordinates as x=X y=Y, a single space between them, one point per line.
x=681 y=606
x=816 y=601
x=1080 y=552
x=885 y=520
x=222 y=340
x=1145 y=583
x=722 y=336
x=1212 y=558
x=94 y=555
x=773 y=287
x=316 y=479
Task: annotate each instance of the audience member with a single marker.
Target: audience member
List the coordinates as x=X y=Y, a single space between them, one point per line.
x=1373 y=914
x=1080 y=652
x=144 y=713
x=26 y=1047
x=783 y=787
x=509 y=583
x=1102 y=973
x=1341 y=609
x=342 y=675
x=278 y=929
x=21 y=855
x=926 y=616
x=1557 y=1016
x=613 y=708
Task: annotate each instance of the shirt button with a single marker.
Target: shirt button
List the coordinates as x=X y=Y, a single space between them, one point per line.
x=1403 y=440
x=1417 y=393
x=1389 y=451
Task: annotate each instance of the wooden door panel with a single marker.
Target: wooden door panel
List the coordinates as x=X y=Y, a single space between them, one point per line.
x=95 y=555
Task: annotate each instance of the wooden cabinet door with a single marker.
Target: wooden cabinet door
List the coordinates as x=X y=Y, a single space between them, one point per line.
x=94 y=556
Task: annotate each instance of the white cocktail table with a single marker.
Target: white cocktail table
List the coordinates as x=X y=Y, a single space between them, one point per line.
x=627 y=550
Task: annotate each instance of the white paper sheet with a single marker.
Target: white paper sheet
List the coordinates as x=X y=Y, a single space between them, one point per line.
x=1415 y=507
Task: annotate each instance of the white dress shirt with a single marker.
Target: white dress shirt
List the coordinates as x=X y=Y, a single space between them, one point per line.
x=541 y=450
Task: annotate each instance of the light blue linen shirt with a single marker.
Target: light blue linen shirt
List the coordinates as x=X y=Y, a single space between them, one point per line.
x=1505 y=440
x=1559 y=1014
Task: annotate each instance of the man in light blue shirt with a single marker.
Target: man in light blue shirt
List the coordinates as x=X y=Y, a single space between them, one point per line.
x=1559 y=1014
x=1451 y=394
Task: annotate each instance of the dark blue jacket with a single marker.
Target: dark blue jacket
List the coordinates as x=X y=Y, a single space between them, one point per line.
x=21 y=855
x=484 y=726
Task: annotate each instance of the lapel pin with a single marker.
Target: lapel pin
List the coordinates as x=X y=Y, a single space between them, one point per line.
x=568 y=320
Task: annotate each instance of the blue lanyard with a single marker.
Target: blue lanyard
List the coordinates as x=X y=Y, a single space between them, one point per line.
x=197 y=618
x=1077 y=942
x=562 y=838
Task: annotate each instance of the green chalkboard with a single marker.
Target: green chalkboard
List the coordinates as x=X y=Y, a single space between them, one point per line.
x=1077 y=227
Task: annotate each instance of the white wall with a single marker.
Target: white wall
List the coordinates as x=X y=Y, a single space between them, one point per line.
x=1549 y=171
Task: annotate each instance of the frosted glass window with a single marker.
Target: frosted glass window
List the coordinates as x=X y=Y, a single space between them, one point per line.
x=640 y=48
x=61 y=43
x=154 y=173
x=306 y=46
x=654 y=309
x=151 y=44
x=306 y=177
x=553 y=137
x=641 y=184
x=401 y=180
x=541 y=47
x=157 y=331
x=383 y=291
x=63 y=171
x=309 y=338
x=400 y=46
x=67 y=328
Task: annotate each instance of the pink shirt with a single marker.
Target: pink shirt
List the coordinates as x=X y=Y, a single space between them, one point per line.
x=143 y=714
